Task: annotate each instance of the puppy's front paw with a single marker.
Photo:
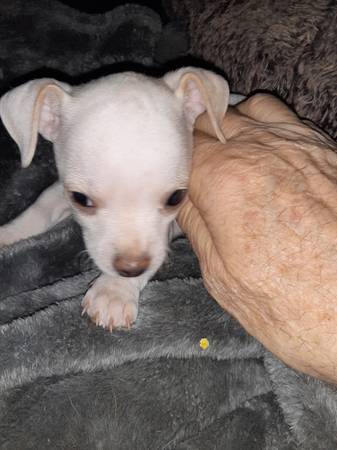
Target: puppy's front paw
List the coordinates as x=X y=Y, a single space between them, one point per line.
x=111 y=303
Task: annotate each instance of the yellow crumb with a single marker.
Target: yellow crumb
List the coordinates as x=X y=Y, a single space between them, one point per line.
x=204 y=343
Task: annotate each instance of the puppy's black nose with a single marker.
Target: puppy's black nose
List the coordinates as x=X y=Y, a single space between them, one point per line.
x=131 y=265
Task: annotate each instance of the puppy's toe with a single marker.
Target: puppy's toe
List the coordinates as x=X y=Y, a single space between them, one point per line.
x=121 y=313
x=130 y=313
x=109 y=309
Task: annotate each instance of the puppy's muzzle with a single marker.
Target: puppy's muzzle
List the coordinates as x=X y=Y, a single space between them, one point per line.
x=131 y=266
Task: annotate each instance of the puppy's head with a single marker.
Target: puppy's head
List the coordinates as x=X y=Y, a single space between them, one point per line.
x=123 y=151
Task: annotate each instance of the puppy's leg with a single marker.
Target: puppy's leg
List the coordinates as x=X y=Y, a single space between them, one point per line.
x=112 y=301
x=50 y=207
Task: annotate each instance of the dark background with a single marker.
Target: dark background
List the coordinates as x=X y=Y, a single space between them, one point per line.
x=100 y=6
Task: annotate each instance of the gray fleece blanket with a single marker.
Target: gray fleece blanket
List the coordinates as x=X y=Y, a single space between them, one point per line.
x=66 y=384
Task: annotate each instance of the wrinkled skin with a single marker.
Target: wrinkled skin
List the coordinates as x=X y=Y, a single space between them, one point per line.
x=262 y=218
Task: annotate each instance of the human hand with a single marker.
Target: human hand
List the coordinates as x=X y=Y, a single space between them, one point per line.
x=262 y=218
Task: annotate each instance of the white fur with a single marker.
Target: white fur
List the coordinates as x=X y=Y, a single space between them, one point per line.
x=124 y=140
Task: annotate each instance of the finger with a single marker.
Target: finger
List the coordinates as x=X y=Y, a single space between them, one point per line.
x=267 y=108
x=203 y=222
x=212 y=266
x=192 y=224
x=232 y=125
x=259 y=108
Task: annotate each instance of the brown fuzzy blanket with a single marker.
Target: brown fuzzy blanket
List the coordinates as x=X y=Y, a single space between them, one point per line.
x=286 y=47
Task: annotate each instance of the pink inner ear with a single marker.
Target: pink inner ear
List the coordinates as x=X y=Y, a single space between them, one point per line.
x=49 y=122
x=49 y=115
x=194 y=104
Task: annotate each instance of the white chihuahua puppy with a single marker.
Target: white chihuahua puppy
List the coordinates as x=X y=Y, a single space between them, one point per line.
x=123 y=148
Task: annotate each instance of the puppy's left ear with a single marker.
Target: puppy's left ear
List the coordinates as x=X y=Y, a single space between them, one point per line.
x=201 y=90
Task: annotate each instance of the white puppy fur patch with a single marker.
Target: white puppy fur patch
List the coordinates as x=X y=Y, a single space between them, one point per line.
x=123 y=147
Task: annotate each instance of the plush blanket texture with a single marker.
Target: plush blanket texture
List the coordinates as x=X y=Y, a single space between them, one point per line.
x=66 y=384
x=286 y=47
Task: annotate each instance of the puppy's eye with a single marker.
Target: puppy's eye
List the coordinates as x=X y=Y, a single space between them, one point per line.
x=81 y=200
x=176 y=197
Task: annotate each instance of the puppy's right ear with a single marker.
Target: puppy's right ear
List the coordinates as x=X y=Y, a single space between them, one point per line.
x=32 y=108
x=201 y=90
